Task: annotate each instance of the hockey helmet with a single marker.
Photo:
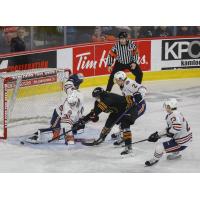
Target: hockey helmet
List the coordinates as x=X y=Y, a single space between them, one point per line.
x=123 y=35
x=171 y=103
x=97 y=92
x=120 y=76
x=73 y=99
x=77 y=79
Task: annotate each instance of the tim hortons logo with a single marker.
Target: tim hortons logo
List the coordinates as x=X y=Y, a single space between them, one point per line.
x=84 y=63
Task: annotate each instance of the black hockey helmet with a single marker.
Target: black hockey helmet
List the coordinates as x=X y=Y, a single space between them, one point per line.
x=123 y=35
x=77 y=79
x=97 y=92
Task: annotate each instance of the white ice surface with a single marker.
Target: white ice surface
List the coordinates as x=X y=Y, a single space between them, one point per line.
x=105 y=157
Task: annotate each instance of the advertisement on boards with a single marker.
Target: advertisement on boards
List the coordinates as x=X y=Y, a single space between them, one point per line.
x=29 y=61
x=176 y=53
x=91 y=59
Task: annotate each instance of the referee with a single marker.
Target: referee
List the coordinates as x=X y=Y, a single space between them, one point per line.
x=125 y=55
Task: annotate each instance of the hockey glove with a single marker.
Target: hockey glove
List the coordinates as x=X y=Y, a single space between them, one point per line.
x=93 y=117
x=171 y=135
x=80 y=124
x=154 y=137
x=138 y=97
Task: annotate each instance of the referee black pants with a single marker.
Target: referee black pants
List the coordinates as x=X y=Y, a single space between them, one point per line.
x=137 y=72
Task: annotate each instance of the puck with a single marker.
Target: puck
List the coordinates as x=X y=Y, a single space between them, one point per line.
x=21 y=142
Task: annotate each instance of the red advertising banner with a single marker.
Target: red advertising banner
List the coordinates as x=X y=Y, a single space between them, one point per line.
x=84 y=60
x=91 y=59
x=144 y=49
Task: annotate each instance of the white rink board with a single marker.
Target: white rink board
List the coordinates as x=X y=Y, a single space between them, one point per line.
x=106 y=158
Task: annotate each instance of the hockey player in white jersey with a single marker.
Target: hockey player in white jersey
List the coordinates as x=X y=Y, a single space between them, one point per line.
x=70 y=84
x=177 y=129
x=130 y=87
x=62 y=121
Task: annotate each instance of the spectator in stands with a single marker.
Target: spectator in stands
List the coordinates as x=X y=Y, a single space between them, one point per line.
x=163 y=31
x=110 y=33
x=126 y=29
x=84 y=34
x=71 y=35
x=146 y=31
x=97 y=35
x=183 y=30
x=196 y=30
x=17 y=44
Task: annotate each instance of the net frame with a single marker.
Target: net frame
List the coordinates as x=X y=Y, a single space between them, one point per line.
x=18 y=77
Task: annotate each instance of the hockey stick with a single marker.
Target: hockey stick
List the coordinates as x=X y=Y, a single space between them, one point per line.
x=100 y=139
x=144 y=140
x=138 y=142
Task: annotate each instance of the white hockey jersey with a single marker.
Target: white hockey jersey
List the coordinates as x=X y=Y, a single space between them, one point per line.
x=178 y=125
x=131 y=87
x=71 y=114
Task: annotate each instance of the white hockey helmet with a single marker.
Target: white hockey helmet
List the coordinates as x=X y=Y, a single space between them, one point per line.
x=73 y=99
x=171 y=103
x=120 y=76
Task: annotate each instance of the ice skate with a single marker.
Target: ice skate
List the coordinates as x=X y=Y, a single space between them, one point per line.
x=117 y=135
x=127 y=150
x=173 y=156
x=118 y=142
x=151 y=162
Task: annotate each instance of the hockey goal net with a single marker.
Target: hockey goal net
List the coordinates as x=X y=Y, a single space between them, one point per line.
x=27 y=99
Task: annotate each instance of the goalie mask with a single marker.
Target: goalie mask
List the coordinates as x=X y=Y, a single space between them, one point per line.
x=73 y=99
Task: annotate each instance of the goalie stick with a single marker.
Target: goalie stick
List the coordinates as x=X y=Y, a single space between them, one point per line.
x=23 y=142
x=63 y=134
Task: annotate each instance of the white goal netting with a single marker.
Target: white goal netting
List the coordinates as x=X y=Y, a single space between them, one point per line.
x=28 y=98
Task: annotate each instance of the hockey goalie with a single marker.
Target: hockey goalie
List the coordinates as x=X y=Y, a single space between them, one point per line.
x=64 y=116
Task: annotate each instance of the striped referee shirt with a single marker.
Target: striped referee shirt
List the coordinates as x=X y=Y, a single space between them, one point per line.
x=124 y=54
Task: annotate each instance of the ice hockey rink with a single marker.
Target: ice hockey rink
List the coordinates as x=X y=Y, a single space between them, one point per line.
x=57 y=157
